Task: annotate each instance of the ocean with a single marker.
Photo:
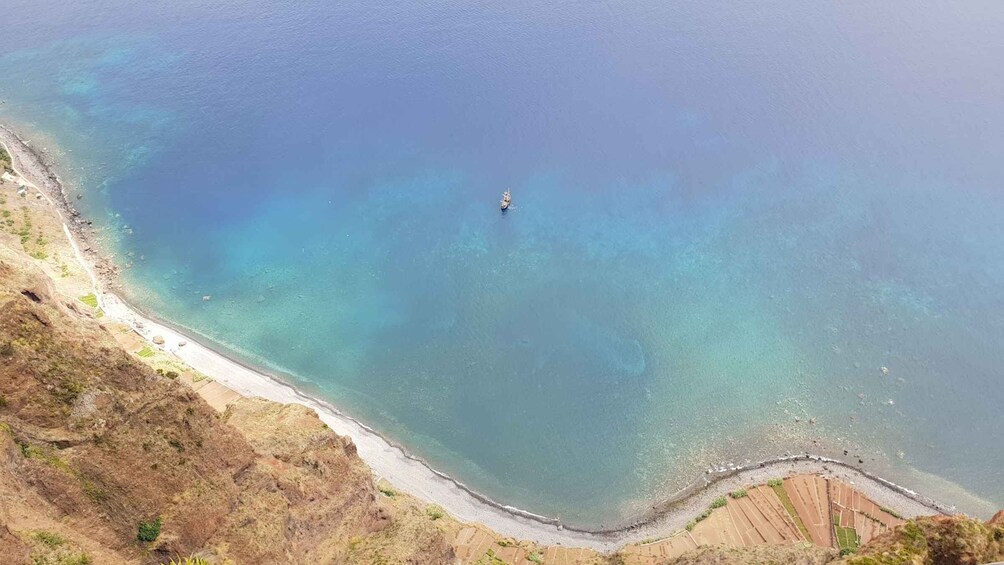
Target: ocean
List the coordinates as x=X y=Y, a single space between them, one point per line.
x=738 y=229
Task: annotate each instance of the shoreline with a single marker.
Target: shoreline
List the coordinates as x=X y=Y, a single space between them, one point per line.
x=391 y=461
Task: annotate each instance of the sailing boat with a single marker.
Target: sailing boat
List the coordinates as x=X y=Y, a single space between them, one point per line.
x=506 y=200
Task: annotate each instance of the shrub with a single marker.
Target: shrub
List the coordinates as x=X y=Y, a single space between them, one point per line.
x=48 y=539
x=691 y=525
x=888 y=511
x=774 y=483
x=149 y=531
x=193 y=560
x=738 y=493
x=3 y=401
x=719 y=502
x=434 y=512
x=7 y=349
x=536 y=557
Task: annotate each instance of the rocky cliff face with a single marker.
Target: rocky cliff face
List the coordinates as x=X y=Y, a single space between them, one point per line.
x=937 y=540
x=98 y=451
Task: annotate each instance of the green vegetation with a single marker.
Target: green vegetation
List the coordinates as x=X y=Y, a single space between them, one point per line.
x=35 y=248
x=53 y=549
x=147 y=351
x=91 y=489
x=738 y=493
x=778 y=486
x=69 y=389
x=29 y=451
x=48 y=539
x=703 y=516
x=691 y=525
x=149 y=531
x=847 y=539
x=5 y=161
x=193 y=560
x=891 y=512
x=90 y=300
x=489 y=558
x=3 y=401
x=387 y=491
x=434 y=512
x=536 y=557
x=719 y=502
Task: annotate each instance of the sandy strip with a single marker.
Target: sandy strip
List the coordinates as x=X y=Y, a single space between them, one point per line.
x=412 y=475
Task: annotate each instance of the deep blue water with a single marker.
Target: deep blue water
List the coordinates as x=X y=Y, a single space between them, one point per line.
x=727 y=216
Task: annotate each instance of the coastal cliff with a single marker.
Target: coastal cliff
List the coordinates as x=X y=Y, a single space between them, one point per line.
x=98 y=450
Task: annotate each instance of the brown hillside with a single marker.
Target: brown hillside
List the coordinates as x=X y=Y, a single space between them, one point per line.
x=93 y=443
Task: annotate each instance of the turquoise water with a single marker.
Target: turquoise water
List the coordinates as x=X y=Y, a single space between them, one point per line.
x=726 y=219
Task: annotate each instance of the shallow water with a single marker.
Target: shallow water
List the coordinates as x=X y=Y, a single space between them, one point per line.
x=726 y=218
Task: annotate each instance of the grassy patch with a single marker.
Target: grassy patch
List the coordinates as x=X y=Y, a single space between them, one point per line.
x=738 y=493
x=847 y=540
x=90 y=300
x=774 y=483
x=536 y=557
x=29 y=451
x=48 y=539
x=53 y=549
x=786 y=502
x=149 y=531
x=147 y=351
x=434 y=512
x=719 y=502
x=387 y=491
x=91 y=489
x=5 y=161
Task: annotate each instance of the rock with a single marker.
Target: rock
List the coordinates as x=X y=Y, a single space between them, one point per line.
x=182 y=343
x=884 y=370
x=812 y=420
x=158 y=340
x=206 y=298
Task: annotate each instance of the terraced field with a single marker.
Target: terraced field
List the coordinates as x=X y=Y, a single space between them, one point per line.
x=801 y=509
